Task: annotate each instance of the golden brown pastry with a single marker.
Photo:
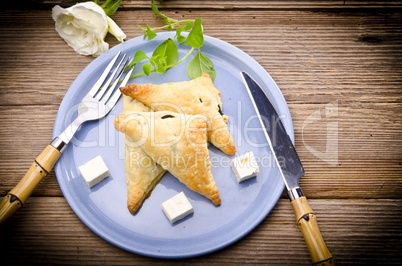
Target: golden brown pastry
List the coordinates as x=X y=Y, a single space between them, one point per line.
x=141 y=172
x=198 y=96
x=175 y=141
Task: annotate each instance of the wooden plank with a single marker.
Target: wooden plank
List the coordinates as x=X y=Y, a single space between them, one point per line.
x=25 y=132
x=365 y=162
x=346 y=57
x=230 y=4
x=31 y=75
x=354 y=151
x=47 y=231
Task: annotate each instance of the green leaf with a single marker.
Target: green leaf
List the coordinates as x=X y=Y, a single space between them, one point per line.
x=195 y=38
x=153 y=60
x=150 y=33
x=188 y=26
x=200 y=64
x=130 y=65
x=167 y=52
x=178 y=35
x=147 y=69
x=179 y=30
x=110 y=6
x=180 y=39
x=139 y=56
x=160 y=68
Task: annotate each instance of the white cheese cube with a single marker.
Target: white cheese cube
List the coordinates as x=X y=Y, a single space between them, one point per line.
x=94 y=171
x=245 y=166
x=177 y=207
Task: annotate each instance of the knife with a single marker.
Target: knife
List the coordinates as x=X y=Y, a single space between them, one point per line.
x=291 y=170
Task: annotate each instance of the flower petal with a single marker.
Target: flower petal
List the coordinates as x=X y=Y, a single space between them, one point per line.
x=115 y=30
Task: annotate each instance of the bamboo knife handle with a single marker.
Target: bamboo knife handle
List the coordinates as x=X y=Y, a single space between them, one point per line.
x=20 y=193
x=307 y=223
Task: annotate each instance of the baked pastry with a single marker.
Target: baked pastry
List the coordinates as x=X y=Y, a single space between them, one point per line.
x=175 y=141
x=198 y=96
x=141 y=172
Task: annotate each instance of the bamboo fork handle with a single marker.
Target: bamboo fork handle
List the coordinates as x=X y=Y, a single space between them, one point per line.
x=20 y=193
x=307 y=223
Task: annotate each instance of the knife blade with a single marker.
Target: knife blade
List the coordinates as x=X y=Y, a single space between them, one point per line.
x=290 y=168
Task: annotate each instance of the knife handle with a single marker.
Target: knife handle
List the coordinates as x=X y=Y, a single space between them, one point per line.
x=14 y=200
x=307 y=223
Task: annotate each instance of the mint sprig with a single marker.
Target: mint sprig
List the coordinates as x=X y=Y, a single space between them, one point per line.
x=166 y=55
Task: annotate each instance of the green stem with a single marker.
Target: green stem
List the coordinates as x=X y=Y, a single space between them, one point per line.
x=159 y=28
x=166 y=26
x=184 y=58
x=105 y=3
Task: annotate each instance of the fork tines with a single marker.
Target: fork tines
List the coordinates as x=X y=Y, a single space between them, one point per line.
x=103 y=89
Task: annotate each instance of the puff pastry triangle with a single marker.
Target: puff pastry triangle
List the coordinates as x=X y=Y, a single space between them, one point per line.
x=141 y=172
x=175 y=141
x=198 y=96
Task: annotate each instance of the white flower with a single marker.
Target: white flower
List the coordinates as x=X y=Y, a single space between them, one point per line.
x=84 y=27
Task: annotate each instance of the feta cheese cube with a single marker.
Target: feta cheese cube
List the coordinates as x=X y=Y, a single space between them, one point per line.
x=245 y=166
x=94 y=171
x=177 y=207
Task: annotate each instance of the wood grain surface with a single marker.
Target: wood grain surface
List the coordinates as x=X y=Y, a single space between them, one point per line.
x=338 y=65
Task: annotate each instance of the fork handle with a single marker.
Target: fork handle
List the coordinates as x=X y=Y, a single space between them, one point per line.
x=40 y=168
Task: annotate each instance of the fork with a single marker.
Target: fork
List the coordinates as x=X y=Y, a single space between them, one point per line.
x=95 y=105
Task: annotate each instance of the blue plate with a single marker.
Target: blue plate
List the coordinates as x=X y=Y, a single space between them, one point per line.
x=103 y=207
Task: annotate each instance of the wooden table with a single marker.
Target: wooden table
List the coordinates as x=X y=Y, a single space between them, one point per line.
x=338 y=64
